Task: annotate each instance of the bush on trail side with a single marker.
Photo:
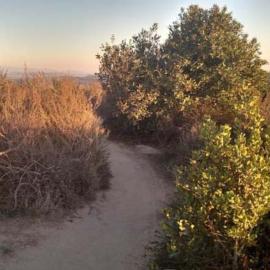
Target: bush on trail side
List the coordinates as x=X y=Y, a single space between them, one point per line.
x=161 y=89
x=51 y=145
x=223 y=195
x=128 y=73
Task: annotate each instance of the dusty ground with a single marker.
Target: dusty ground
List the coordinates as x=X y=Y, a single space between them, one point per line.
x=111 y=234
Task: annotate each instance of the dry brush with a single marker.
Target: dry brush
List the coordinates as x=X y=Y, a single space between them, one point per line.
x=52 y=151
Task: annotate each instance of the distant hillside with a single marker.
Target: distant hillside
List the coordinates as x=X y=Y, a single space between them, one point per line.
x=86 y=79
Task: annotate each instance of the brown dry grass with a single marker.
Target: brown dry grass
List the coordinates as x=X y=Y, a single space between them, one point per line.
x=51 y=145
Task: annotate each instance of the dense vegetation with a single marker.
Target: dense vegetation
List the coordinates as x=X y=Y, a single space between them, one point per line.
x=51 y=144
x=205 y=87
x=153 y=87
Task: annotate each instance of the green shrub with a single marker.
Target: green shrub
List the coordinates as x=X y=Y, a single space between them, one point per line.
x=128 y=73
x=154 y=88
x=221 y=197
x=206 y=53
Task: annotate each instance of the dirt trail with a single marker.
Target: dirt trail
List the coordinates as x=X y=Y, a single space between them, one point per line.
x=114 y=234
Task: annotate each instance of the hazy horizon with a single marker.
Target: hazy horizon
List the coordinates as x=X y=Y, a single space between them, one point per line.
x=65 y=36
x=18 y=71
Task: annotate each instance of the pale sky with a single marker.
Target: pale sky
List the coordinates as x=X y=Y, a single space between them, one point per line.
x=66 y=34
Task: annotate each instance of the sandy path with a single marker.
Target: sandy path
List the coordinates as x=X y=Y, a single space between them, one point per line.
x=114 y=234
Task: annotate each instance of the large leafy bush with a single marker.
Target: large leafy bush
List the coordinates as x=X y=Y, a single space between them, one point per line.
x=221 y=196
x=207 y=52
x=155 y=87
x=128 y=73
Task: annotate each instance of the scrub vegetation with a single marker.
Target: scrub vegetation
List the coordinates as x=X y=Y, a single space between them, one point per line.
x=202 y=92
x=52 y=153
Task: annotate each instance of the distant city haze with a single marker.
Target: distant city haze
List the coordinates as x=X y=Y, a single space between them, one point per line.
x=66 y=35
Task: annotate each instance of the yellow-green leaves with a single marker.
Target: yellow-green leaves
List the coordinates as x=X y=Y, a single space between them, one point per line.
x=223 y=193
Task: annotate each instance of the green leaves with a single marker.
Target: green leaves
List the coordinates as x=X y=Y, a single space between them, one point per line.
x=153 y=86
x=222 y=195
x=208 y=54
x=129 y=73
